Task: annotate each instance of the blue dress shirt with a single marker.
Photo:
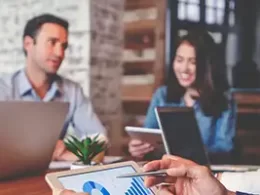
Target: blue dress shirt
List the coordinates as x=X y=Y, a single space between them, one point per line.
x=81 y=115
x=217 y=132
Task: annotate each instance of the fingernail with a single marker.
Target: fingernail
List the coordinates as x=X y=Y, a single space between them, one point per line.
x=145 y=167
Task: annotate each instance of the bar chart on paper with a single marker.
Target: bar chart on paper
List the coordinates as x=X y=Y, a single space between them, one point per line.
x=137 y=188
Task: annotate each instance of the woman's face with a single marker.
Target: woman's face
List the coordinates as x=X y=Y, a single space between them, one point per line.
x=184 y=65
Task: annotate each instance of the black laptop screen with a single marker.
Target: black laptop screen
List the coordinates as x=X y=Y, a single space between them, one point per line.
x=181 y=133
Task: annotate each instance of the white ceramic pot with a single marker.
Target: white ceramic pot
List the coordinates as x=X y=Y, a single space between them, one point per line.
x=78 y=165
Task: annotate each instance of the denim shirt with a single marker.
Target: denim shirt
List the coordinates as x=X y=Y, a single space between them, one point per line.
x=217 y=132
x=16 y=87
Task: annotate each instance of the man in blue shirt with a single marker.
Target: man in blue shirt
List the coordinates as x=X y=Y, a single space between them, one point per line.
x=45 y=40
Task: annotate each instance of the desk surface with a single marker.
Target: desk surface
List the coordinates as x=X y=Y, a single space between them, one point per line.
x=31 y=185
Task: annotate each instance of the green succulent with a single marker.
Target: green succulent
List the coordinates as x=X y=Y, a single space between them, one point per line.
x=85 y=149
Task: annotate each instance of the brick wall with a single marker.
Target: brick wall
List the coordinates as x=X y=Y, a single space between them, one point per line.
x=95 y=48
x=106 y=65
x=13 y=16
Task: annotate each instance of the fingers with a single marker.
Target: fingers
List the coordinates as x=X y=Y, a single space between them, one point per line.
x=71 y=192
x=173 y=173
x=135 y=142
x=168 y=161
x=166 y=190
x=150 y=181
x=141 y=151
x=194 y=172
x=67 y=192
x=157 y=165
x=179 y=159
x=138 y=148
x=176 y=168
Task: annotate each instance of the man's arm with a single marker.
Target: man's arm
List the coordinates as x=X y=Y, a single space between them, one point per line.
x=84 y=119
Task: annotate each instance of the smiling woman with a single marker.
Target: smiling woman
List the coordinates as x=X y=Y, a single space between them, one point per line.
x=196 y=80
x=185 y=65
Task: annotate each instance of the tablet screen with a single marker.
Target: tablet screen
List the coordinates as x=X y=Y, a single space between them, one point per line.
x=105 y=182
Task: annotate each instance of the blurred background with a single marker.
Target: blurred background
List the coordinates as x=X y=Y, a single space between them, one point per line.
x=119 y=52
x=151 y=29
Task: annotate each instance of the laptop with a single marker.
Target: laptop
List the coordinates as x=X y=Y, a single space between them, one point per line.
x=29 y=132
x=181 y=134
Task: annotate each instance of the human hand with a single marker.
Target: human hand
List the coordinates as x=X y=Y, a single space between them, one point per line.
x=184 y=177
x=138 y=148
x=71 y=192
x=61 y=153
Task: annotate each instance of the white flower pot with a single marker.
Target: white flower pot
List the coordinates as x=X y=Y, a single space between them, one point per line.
x=78 y=165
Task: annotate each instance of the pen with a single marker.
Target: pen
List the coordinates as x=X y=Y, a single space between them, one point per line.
x=161 y=173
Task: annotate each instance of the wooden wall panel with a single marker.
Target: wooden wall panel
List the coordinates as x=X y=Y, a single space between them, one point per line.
x=139 y=4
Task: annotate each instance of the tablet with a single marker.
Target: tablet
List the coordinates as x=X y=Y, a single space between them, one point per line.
x=101 y=180
x=152 y=136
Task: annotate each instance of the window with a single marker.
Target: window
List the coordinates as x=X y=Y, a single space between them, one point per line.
x=215 y=11
x=190 y=10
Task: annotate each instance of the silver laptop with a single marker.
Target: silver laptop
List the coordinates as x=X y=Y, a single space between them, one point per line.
x=28 y=134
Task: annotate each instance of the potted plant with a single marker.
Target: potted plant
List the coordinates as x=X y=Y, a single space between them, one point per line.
x=86 y=150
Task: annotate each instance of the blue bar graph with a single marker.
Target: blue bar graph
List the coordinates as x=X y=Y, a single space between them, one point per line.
x=134 y=190
x=137 y=188
x=130 y=191
x=142 y=184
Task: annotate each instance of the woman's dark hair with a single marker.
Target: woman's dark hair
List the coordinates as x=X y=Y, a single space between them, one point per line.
x=210 y=81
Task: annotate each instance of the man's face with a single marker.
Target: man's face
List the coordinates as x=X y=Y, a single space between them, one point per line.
x=47 y=52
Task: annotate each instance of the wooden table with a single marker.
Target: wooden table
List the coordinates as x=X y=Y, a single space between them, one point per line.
x=30 y=185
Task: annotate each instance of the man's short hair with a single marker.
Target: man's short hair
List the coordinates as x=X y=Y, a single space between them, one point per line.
x=33 y=25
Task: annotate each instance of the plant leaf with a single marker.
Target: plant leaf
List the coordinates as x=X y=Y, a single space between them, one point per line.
x=85 y=149
x=96 y=137
x=71 y=147
x=77 y=142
